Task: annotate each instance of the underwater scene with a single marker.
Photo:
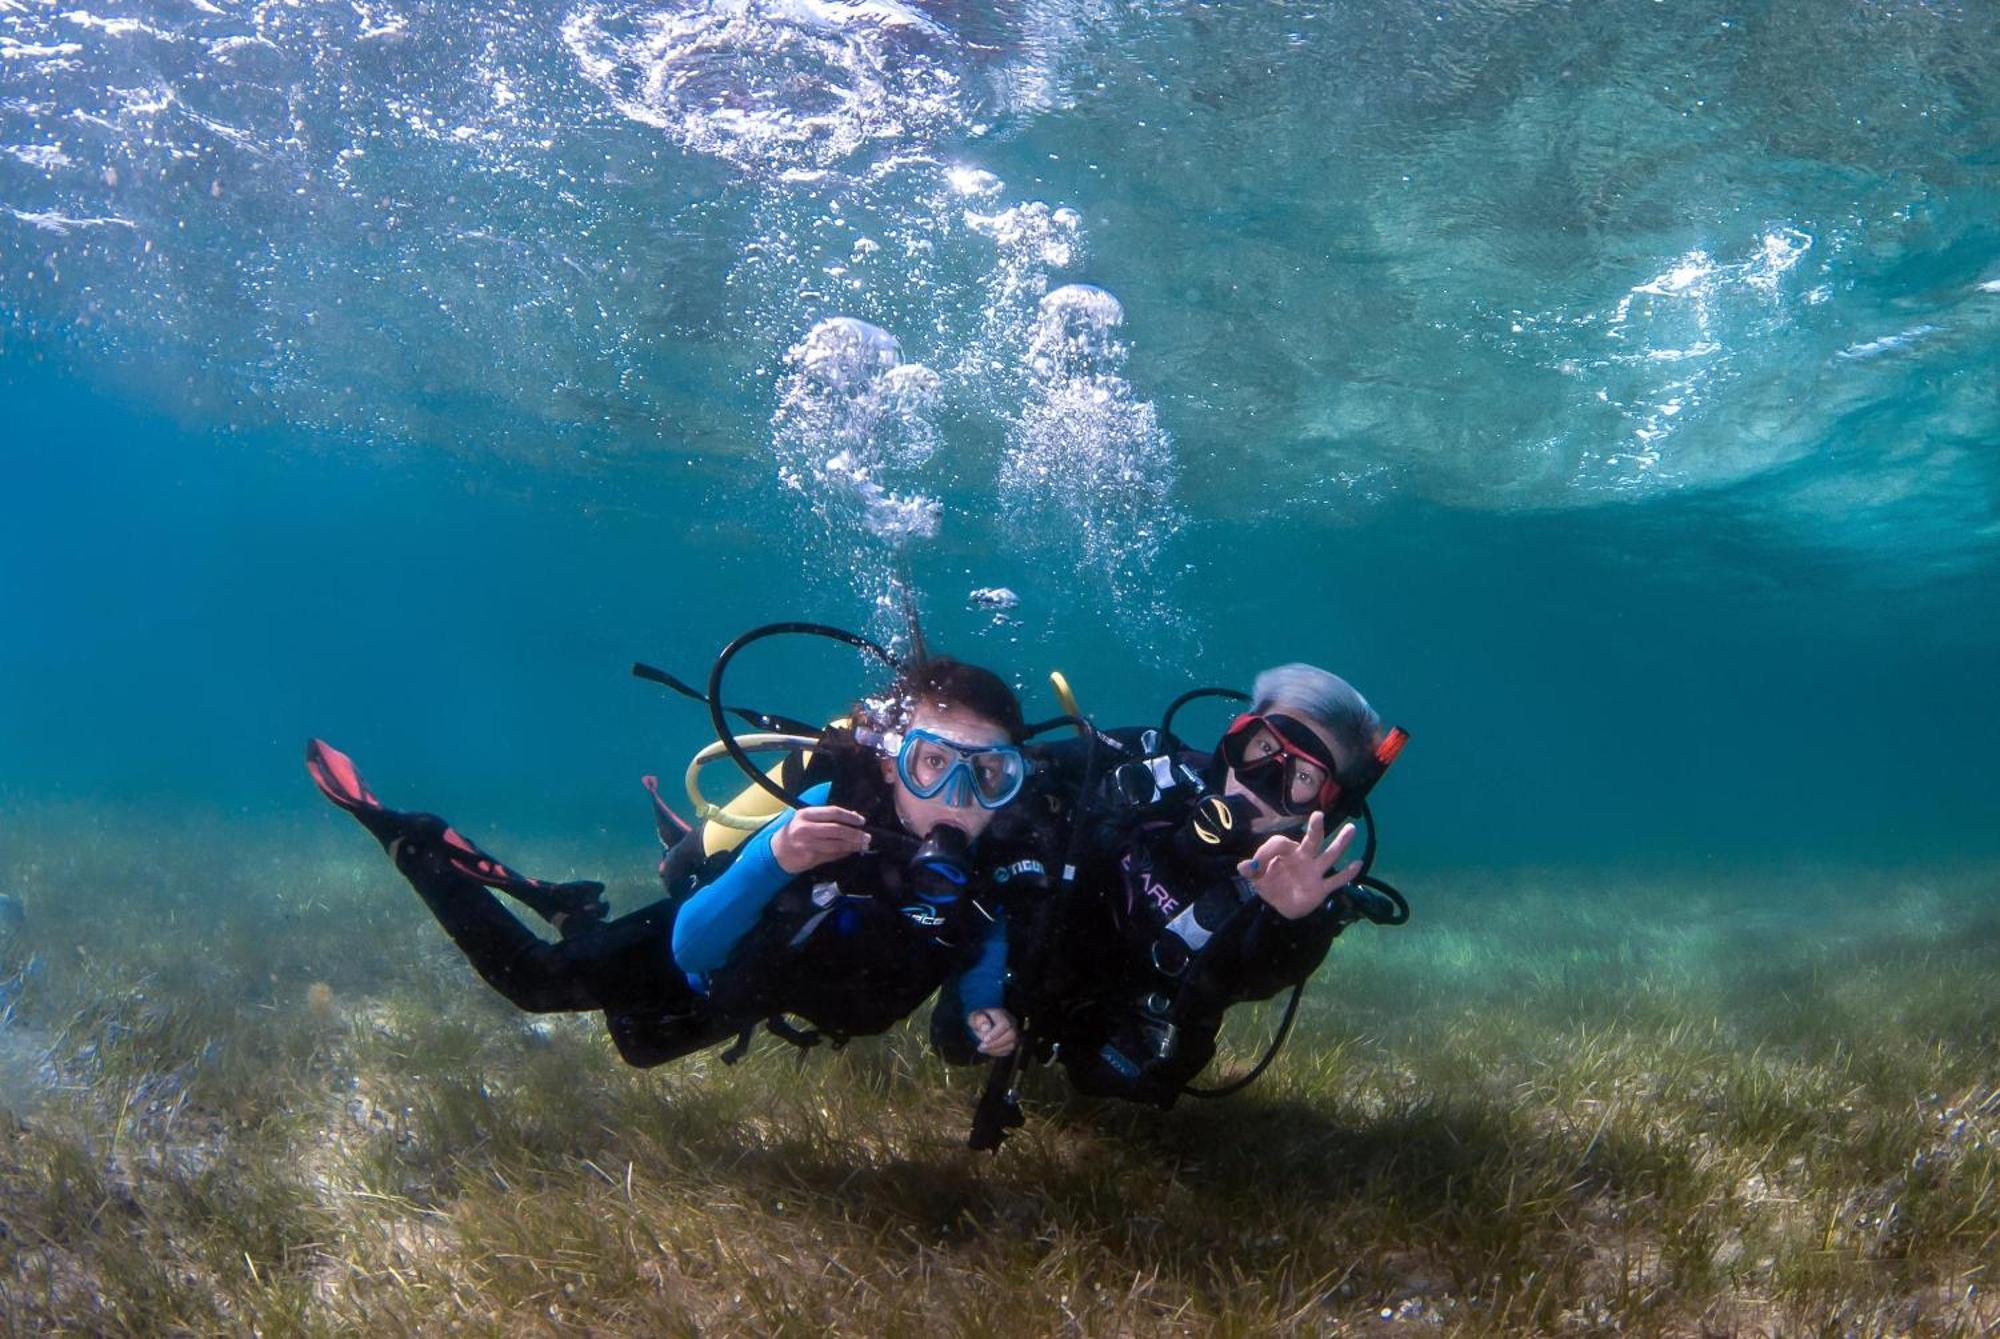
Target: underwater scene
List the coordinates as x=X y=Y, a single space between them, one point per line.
x=1601 y=399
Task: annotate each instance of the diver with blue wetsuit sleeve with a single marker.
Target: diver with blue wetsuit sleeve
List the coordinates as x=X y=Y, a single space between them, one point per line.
x=823 y=915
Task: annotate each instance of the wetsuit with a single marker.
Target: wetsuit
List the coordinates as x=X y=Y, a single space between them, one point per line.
x=1161 y=935
x=851 y=947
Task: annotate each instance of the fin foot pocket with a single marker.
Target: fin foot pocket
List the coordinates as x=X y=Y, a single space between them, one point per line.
x=579 y=907
x=413 y=839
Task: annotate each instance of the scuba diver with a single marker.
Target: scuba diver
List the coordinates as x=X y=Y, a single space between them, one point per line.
x=1205 y=880
x=878 y=881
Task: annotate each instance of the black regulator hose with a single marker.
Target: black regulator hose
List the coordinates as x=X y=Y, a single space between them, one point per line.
x=999 y=1108
x=1194 y=695
x=736 y=751
x=1242 y=1081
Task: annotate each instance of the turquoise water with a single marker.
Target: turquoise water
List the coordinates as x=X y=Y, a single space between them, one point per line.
x=1608 y=390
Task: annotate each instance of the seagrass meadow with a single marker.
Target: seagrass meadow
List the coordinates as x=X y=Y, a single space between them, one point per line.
x=1552 y=1103
x=1604 y=388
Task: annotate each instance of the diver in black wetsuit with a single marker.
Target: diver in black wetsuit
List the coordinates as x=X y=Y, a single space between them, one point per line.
x=823 y=914
x=1208 y=880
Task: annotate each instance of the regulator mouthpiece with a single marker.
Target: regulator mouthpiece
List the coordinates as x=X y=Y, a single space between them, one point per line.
x=944 y=860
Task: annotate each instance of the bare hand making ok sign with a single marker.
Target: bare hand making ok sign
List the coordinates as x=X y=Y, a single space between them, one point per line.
x=1296 y=877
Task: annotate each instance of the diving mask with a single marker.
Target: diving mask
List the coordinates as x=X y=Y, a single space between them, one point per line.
x=933 y=767
x=1282 y=762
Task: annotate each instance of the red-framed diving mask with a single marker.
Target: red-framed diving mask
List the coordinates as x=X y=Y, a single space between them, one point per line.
x=1281 y=761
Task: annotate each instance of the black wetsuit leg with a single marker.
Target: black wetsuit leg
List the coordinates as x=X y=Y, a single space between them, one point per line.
x=622 y=965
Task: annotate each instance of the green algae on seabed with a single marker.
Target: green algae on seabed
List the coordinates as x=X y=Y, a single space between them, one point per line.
x=278 y=1101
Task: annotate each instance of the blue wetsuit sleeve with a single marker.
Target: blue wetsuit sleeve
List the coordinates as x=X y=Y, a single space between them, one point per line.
x=713 y=922
x=983 y=985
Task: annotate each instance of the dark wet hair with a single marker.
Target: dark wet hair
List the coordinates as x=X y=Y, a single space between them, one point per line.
x=942 y=681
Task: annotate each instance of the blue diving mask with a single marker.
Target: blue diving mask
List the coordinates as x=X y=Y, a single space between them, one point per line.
x=933 y=767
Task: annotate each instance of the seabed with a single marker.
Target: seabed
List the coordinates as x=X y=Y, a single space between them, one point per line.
x=249 y=1087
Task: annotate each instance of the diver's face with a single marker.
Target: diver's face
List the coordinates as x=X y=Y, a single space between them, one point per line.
x=960 y=725
x=1303 y=778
